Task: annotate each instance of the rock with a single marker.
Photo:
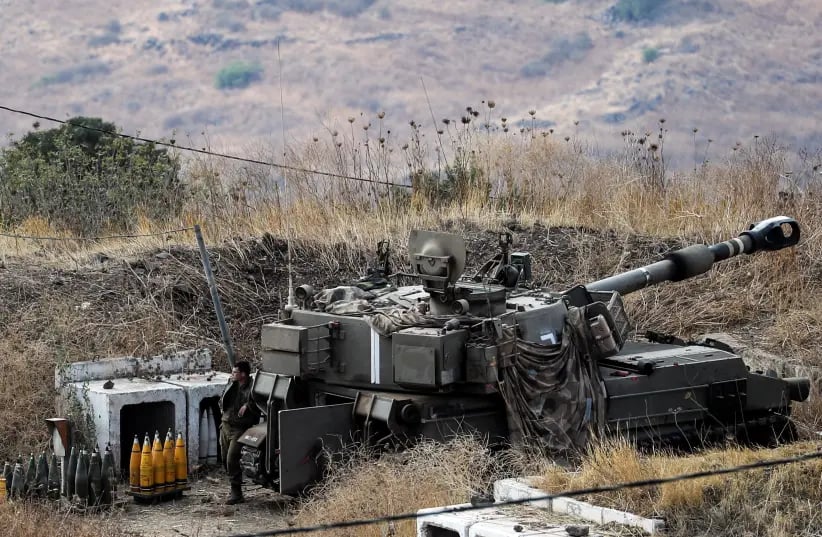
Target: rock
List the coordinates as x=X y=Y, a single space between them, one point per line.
x=577 y=531
x=482 y=499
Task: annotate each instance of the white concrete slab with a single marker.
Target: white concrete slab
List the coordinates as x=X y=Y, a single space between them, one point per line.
x=182 y=362
x=510 y=527
x=104 y=406
x=459 y=523
x=519 y=488
x=197 y=388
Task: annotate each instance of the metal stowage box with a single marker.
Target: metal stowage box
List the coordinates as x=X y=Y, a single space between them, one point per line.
x=428 y=356
x=283 y=347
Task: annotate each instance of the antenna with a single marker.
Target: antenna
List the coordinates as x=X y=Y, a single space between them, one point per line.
x=287 y=221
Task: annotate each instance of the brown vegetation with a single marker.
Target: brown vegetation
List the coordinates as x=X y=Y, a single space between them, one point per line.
x=777 y=502
x=428 y=475
x=36 y=520
x=582 y=216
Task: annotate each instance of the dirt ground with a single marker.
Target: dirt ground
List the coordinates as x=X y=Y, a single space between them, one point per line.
x=202 y=512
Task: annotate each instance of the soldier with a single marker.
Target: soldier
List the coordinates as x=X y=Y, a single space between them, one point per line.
x=239 y=413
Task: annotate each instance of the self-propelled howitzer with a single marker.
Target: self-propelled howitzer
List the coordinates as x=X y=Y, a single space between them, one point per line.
x=385 y=363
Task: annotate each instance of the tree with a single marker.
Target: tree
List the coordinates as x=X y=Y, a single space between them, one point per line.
x=84 y=177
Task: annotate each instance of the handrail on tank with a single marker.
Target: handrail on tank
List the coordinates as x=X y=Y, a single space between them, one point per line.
x=768 y=235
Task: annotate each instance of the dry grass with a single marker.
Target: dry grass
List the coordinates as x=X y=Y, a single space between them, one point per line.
x=427 y=475
x=778 y=502
x=23 y=519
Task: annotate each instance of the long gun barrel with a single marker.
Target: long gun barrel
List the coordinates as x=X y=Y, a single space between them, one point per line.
x=768 y=235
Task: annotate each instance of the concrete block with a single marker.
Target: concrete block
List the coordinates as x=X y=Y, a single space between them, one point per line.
x=652 y=526
x=578 y=509
x=198 y=388
x=110 y=368
x=507 y=527
x=105 y=408
x=182 y=362
x=514 y=489
x=185 y=362
x=456 y=523
x=519 y=489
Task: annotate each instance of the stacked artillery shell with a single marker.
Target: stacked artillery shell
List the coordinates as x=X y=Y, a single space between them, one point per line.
x=134 y=466
x=41 y=476
x=168 y=461
x=159 y=464
x=146 y=469
x=180 y=463
x=72 y=473
x=212 y=439
x=54 y=478
x=109 y=477
x=18 y=480
x=95 y=478
x=203 y=451
x=81 y=478
x=31 y=477
x=160 y=468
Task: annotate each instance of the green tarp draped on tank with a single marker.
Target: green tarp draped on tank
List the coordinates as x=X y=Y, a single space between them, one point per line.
x=554 y=395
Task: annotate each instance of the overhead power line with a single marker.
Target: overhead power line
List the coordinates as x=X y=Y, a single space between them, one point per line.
x=100 y=238
x=572 y=493
x=278 y=165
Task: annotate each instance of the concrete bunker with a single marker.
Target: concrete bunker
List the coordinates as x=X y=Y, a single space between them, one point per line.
x=114 y=399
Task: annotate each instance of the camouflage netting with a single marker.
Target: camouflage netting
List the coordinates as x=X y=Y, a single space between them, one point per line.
x=351 y=300
x=554 y=395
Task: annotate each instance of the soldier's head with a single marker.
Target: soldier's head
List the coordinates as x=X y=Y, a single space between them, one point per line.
x=241 y=372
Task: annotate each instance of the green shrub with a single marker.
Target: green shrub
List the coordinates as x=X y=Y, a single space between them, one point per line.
x=650 y=54
x=238 y=75
x=87 y=181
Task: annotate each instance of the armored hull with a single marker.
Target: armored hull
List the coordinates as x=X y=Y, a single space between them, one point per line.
x=386 y=364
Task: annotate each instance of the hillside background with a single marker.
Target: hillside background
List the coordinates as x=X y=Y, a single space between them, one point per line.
x=207 y=72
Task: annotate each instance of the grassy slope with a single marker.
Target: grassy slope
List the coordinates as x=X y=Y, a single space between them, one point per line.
x=613 y=212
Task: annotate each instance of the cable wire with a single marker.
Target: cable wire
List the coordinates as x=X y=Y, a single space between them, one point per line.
x=204 y=151
x=101 y=238
x=572 y=493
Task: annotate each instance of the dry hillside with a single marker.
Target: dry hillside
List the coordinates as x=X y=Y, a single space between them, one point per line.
x=731 y=68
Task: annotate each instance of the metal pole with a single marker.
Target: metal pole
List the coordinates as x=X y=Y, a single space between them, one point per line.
x=215 y=296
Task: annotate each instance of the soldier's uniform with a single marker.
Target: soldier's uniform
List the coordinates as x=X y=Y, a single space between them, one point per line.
x=232 y=428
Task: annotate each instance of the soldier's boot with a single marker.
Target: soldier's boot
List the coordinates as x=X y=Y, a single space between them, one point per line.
x=236 y=495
